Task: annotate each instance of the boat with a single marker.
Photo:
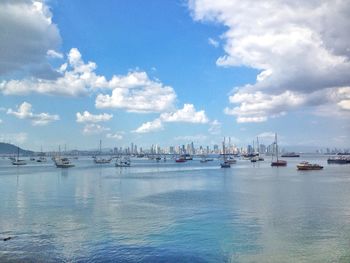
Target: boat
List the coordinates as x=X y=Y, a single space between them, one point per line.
x=101 y=160
x=122 y=162
x=226 y=163
x=18 y=161
x=277 y=162
x=63 y=162
x=291 y=154
x=32 y=159
x=338 y=160
x=308 y=166
x=41 y=159
x=158 y=158
x=180 y=159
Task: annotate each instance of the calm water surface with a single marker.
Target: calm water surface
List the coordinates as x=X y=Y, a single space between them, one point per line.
x=168 y=212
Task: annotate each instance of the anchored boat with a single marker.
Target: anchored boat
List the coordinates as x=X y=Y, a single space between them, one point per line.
x=308 y=166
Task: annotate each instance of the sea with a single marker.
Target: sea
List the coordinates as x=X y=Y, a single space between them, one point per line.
x=175 y=212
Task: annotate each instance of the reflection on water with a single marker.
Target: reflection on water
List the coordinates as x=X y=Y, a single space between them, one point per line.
x=167 y=212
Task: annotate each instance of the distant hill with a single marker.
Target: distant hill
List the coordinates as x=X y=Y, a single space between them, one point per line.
x=6 y=148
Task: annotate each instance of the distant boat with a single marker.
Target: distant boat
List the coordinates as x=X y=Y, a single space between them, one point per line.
x=308 y=166
x=18 y=161
x=226 y=163
x=63 y=163
x=101 y=160
x=338 y=160
x=291 y=154
x=122 y=162
x=180 y=159
x=277 y=162
x=41 y=159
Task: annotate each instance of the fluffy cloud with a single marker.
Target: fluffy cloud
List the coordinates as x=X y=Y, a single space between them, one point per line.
x=88 y=117
x=24 y=111
x=26 y=41
x=93 y=128
x=187 y=114
x=115 y=136
x=151 y=126
x=135 y=92
x=299 y=47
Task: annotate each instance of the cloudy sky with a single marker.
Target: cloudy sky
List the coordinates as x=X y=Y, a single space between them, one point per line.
x=171 y=72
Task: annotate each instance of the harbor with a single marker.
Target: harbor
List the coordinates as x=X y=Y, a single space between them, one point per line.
x=192 y=210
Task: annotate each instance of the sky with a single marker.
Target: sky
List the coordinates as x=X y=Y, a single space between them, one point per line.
x=173 y=72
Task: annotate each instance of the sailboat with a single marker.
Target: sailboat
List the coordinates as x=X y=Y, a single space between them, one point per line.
x=62 y=162
x=100 y=160
x=225 y=164
x=277 y=162
x=42 y=157
x=18 y=161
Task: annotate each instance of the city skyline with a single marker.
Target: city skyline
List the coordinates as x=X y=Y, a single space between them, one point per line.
x=126 y=72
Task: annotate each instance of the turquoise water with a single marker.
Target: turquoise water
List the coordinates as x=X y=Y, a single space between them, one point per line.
x=175 y=212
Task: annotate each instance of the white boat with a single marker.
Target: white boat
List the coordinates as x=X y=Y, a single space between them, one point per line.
x=63 y=163
x=122 y=162
x=101 y=160
x=18 y=161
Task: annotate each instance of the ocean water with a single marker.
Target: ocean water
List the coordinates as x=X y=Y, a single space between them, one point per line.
x=175 y=212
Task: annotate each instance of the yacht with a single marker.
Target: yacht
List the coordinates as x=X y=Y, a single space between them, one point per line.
x=63 y=162
x=308 y=166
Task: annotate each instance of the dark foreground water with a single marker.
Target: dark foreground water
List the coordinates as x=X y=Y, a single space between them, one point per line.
x=170 y=212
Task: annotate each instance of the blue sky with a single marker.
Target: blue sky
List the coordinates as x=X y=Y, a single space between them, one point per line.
x=237 y=76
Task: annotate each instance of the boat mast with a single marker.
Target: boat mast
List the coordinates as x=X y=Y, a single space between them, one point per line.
x=223 y=149
x=276 y=146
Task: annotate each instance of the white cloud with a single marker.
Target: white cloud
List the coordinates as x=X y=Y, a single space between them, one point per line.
x=213 y=42
x=135 y=92
x=26 y=35
x=24 y=111
x=215 y=127
x=187 y=114
x=198 y=138
x=115 y=136
x=93 y=128
x=88 y=117
x=151 y=126
x=19 y=137
x=258 y=107
x=54 y=54
x=299 y=47
x=267 y=135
